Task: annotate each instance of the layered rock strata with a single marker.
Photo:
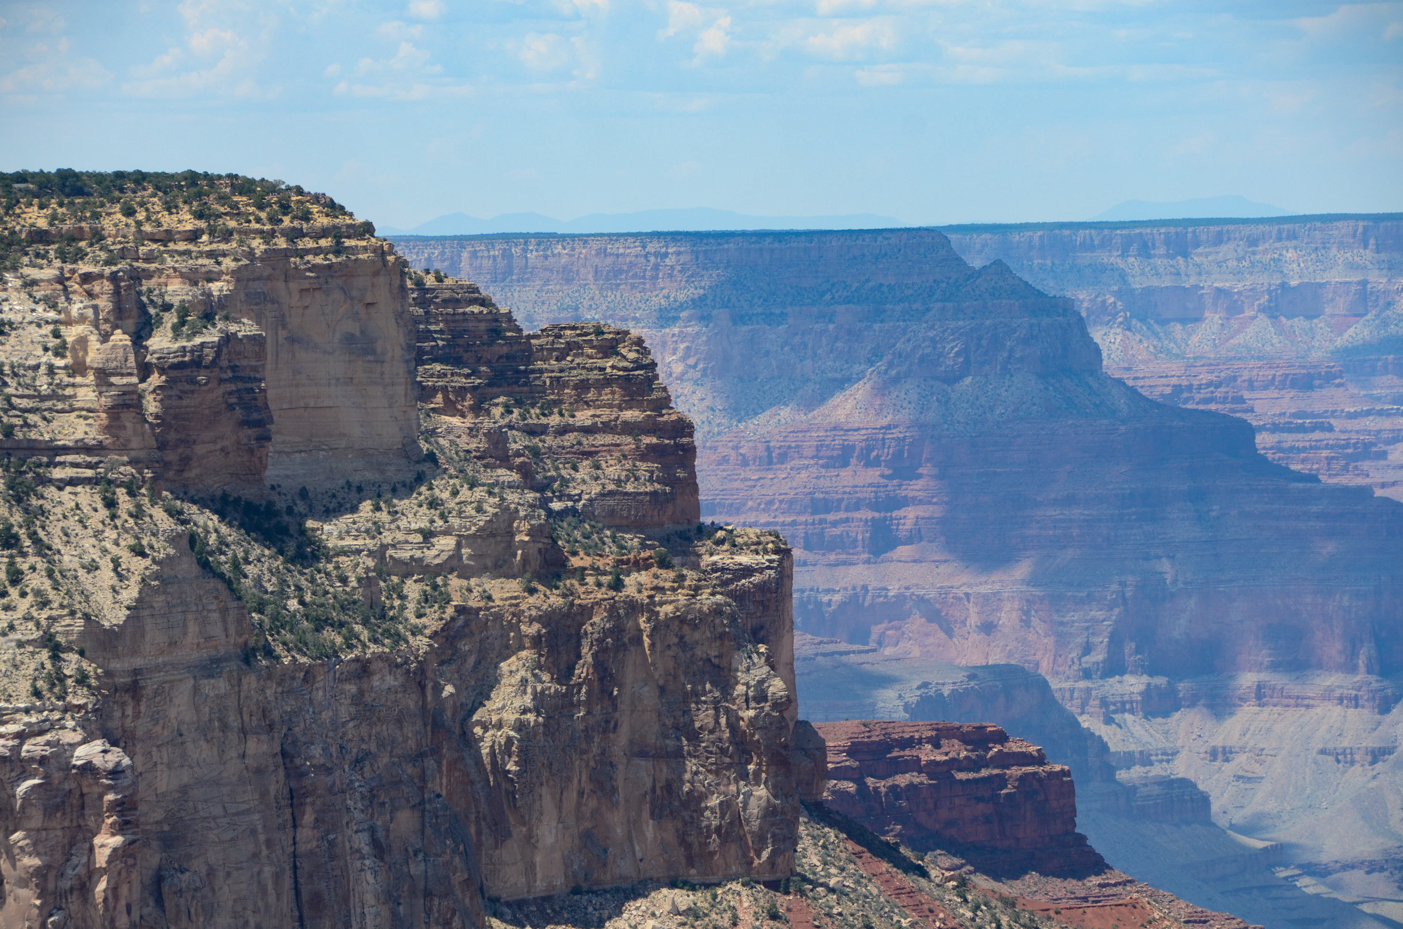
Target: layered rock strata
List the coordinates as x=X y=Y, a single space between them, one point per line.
x=577 y=410
x=284 y=365
x=966 y=788
x=1292 y=324
x=265 y=664
x=964 y=482
x=960 y=477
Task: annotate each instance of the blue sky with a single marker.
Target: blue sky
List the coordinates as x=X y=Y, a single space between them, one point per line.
x=931 y=111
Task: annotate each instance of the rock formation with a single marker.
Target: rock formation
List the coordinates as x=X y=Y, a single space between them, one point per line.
x=963 y=482
x=964 y=788
x=1292 y=324
x=275 y=655
x=959 y=476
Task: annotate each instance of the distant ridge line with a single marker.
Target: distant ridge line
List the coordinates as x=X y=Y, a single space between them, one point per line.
x=1294 y=219
x=958 y=228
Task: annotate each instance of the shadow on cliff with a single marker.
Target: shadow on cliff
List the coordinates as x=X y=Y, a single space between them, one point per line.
x=993 y=862
x=586 y=910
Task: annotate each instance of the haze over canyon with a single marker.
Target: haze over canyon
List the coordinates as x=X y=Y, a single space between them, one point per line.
x=970 y=476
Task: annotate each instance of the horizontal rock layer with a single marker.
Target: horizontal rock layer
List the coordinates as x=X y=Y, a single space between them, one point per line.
x=962 y=787
x=577 y=410
x=958 y=475
x=296 y=370
x=1292 y=324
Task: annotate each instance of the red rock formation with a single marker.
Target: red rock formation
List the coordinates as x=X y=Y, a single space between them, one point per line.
x=963 y=787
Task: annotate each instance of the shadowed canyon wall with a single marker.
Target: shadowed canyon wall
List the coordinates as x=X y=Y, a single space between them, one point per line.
x=1295 y=324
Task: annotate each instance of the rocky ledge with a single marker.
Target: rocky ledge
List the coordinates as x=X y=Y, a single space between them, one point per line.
x=968 y=788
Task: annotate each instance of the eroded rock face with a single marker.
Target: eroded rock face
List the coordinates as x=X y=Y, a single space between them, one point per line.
x=294 y=368
x=966 y=787
x=531 y=749
x=577 y=410
x=513 y=668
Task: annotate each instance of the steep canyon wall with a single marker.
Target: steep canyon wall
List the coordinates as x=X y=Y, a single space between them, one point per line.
x=333 y=599
x=1292 y=324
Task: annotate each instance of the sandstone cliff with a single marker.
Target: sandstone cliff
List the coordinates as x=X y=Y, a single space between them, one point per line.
x=964 y=788
x=275 y=655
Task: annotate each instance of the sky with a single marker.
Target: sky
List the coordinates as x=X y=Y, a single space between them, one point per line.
x=929 y=111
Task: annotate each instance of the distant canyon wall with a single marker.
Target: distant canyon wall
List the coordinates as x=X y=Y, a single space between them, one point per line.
x=1295 y=325
x=958 y=475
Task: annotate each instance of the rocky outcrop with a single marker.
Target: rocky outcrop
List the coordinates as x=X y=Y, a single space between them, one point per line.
x=964 y=483
x=577 y=410
x=293 y=367
x=967 y=788
x=268 y=664
x=508 y=758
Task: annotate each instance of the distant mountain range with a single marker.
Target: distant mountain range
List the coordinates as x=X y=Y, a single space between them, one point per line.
x=700 y=219
x=1203 y=208
x=704 y=219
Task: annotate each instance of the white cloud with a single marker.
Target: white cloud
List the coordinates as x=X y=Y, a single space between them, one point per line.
x=50 y=67
x=332 y=70
x=681 y=17
x=714 y=40
x=407 y=58
x=685 y=18
x=543 y=52
x=216 y=57
x=426 y=9
x=1353 y=20
x=397 y=31
x=853 y=40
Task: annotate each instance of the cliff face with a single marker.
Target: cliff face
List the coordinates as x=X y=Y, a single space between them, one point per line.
x=266 y=664
x=577 y=410
x=1291 y=324
x=311 y=346
x=965 y=788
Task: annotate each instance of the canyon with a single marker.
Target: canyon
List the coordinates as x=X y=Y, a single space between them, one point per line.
x=1292 y=324
x=965 y=482
x=333 y=597
x=336 y=592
